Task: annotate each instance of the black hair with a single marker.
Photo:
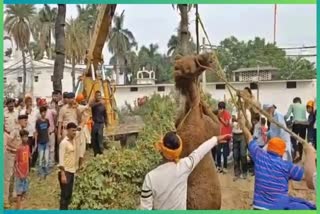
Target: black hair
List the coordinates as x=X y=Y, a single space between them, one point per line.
x=98 y=92
x=65 y=94
x=23 y=133
x=171 y=141
x=72 y=126
x=43 y=109
x=256 y=117
x=9 y=101
x=55 y=93
x=297 y=100
x=23 y=117
x=221 y=105
x=263 y=121
x=249 y=90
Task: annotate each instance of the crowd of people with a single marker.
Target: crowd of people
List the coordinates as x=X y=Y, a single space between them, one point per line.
x=41 y=135
x=273 y=155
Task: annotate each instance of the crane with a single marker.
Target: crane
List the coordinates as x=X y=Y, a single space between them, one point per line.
x=94 y=77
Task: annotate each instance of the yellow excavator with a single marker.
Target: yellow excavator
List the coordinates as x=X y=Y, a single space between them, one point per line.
x=94 y=78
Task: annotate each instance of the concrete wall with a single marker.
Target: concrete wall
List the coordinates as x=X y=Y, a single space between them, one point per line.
x=275 y=92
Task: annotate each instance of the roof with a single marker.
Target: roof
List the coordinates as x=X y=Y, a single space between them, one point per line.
x=15 y=64
x=262 y=68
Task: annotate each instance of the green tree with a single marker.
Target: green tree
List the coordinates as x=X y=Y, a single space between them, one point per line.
x=234 y=54
x=121 y=40
x=76 y=43
x=184 y=36
x=88 y=15
x=47 y=16
x=173 y=46
x=17 y=25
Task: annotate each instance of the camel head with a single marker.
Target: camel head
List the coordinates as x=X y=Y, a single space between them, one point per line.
x=192 y=66
x=187 y=69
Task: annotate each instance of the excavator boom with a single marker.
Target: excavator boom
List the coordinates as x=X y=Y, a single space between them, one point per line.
x=94 y=78
x=100 y=35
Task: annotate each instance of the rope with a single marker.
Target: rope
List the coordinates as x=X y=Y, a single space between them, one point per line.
x=221 y=76
x=257 y=108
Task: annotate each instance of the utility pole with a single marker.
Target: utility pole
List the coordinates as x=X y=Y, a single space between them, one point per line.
x=274 y=24
x=197 y=29
x=204 y=77
x=258 y=85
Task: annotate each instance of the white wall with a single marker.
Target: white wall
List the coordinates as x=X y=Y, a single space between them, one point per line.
x=273 y=91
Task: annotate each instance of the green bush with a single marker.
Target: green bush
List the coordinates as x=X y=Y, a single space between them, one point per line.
x=113 y=180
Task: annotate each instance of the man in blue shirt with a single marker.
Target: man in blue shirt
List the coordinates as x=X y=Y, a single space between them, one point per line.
x=273 y=175
x=275 y=131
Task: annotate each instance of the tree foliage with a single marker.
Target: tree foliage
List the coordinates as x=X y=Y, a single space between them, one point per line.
x=114 y=180
x=234 y=54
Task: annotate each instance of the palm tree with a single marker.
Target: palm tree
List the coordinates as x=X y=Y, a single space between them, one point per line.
x=47 y=17
x=17 y=25
x=88 y=15
x=148 y=55
x=172 y=45
x=183 y=33
x=60 y=49
x=76 y=44
x=120 y=41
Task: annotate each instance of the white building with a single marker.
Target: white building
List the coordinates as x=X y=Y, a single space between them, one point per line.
x=279 y=92
x=41 y=79
x=254 y=74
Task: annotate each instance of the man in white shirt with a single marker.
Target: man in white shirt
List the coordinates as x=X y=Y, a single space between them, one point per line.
x=165 y=187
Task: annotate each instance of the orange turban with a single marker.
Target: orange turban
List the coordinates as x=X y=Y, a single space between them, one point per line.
x=310 y=103
x=80 y=98
x=170 y=154
x=277 y=145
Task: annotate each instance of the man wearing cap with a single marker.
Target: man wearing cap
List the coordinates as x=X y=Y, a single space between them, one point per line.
x=272 y=175
x=275 y=131
x=68 y=113
x=13 y=141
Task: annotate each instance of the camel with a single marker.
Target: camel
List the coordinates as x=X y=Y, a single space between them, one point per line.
x=195 y=125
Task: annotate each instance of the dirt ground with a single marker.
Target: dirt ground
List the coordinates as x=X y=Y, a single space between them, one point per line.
x=44 y=194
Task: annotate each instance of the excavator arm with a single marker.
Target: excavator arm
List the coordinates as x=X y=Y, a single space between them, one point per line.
x=100 y=35
x=93 y=78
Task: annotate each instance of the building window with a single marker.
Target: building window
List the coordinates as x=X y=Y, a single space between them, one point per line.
x=4 y=80
x=161 y=88
x=19 y=79
x=51 y=78
x=253 y=86
x=291 y=84
x=36 y=78
x=220 y=86
x=133 y=89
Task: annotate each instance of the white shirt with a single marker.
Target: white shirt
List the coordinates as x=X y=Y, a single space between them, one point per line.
x=165 y=187
x=32 y=118
x=235 y=125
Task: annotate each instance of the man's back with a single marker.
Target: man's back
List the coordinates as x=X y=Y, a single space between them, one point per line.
x=169 y=183
x=272 y=177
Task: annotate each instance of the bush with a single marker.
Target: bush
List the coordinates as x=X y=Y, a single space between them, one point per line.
x=114 y=180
